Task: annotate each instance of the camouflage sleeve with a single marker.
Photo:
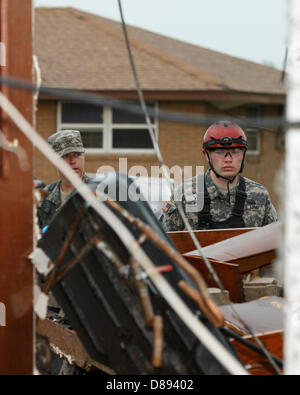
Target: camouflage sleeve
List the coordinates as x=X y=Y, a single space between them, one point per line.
x=270 y=212
x=172 y=220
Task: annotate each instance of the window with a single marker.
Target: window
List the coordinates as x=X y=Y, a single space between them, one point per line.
x=132 y=138
x=253 y=135
x=253 y=140
x=105 y=129
x=81 y=113
x=254 y=111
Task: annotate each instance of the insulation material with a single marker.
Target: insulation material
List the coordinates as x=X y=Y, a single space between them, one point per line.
x=40 y=302
x=41 y=261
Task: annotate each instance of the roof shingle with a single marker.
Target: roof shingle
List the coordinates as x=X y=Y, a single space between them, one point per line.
x=79 y=50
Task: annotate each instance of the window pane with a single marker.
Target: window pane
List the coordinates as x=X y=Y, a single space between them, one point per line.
x=253 y=111
x=92 y=139
x=121 y=116
x=81 y=113
x=252 y=139
x=131 y=138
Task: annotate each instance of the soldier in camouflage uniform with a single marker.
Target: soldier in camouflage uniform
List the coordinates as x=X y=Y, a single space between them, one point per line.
x=68 y=145
x=221 y=198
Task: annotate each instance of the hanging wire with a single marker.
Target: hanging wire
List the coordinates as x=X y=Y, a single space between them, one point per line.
x=163 y=115
x=159 y=155
x=284 y=65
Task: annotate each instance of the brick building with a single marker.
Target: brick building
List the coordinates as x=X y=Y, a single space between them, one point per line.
x=85 y=52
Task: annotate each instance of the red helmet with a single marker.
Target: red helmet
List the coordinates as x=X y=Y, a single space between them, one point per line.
x=224 y=134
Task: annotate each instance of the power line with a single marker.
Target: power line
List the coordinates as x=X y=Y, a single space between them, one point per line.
x=163 y=115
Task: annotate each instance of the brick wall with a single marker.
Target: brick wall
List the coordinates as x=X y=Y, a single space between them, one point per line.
x=180 y=144
x=45 y=125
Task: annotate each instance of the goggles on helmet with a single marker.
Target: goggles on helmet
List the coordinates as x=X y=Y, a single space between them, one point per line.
x=226 y=142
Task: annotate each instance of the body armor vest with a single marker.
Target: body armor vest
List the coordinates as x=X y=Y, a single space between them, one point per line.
x=235 y=221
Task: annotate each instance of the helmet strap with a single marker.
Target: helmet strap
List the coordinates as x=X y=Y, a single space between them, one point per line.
x=243 y=163
x=229 y=180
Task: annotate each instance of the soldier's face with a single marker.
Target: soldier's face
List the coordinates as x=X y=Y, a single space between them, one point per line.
x=76 y=161
x=226 y=162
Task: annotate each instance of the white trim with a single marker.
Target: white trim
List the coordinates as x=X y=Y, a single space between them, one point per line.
x=133 y=151
x=136 y=126
x=91 y=126
x=107 y=117
x=128 y=152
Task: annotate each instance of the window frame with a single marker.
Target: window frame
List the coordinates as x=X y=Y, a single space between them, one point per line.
x=107 y=128
x=257 y=110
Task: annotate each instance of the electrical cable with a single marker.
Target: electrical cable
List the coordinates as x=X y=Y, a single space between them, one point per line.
x=163 y=115
x=231 y=333
x=158 y=152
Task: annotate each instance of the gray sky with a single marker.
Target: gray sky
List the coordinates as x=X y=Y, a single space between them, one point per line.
x=251 y=29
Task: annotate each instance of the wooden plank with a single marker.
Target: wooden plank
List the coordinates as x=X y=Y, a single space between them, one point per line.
x=265 y=316
x=184 y=243
x=16 y=208
x=262 y=315
x=66 y=343
x=249 y=250
x=218 y=243
x=229 y=274
x=257 y=364
x=248 y=263
x=256 y=242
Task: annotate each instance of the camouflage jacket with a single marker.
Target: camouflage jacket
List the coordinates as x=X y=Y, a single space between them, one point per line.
x=50 y=205
x=258 y=209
